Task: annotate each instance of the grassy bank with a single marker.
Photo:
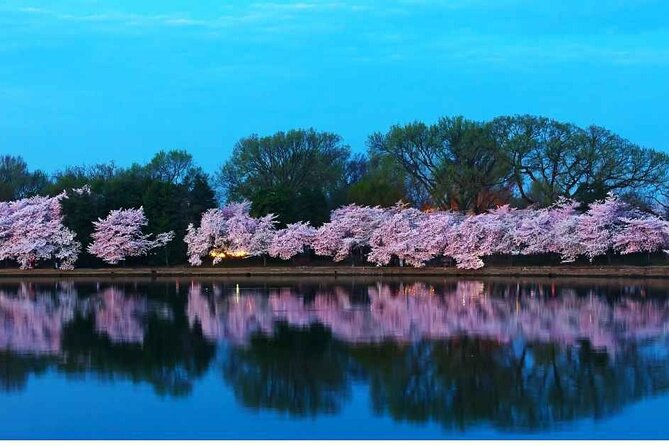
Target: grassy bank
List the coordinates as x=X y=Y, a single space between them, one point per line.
x=502 y=271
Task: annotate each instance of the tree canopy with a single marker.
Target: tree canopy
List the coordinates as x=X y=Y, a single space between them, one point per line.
x=304 y=175
x=296 y=174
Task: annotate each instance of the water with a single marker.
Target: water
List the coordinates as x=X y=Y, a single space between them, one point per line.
x=334 y=358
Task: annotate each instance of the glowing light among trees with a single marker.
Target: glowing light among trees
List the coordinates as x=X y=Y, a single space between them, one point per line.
x=32 y=229
x=229 y=232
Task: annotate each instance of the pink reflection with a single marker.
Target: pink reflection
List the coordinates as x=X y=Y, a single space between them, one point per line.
x=32 y=318
x=417 y=311
x=233 y=318
x=32 y=321
x=120 y=316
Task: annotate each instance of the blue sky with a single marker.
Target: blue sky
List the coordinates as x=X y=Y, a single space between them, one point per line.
x=88 y=81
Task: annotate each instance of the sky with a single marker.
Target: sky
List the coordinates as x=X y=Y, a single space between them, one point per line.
x=86 y=81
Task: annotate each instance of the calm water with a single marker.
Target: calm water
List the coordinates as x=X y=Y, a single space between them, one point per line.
x=326 y=358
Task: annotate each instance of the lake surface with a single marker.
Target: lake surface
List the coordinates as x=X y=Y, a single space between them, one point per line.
x=334 y=358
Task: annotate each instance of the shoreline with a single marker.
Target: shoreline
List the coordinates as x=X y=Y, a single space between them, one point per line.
x=334 y=271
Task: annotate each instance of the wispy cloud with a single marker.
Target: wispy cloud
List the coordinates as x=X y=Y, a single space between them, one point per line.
x=252 y=13
x=374 y=31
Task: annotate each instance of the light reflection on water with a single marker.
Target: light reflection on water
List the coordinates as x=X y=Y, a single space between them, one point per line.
x=417 y=358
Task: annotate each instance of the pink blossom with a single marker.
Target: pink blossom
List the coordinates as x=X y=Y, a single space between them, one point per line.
x=411 y=236
x=229 y=230
x=32 y=229
x=599 y=224
x=292 y=240
x=550 y=230
x=119 y=236
x=642 y=234
x=350 y=227
x=395 y=235
x=484 y=235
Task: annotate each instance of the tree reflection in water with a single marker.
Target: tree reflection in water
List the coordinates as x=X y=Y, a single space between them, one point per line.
x=111 y=331
x=298 y=371
x=518 y=355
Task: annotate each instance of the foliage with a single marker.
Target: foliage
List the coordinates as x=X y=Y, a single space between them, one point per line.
x=171 y=189
x=456 y=161
x=292 y=241
x=515 y=185
x=382 y=182
x=229 y=232
x=31 y=229
x=16 y=181
x=119 y=236
x=551 y=159
x=286 y=167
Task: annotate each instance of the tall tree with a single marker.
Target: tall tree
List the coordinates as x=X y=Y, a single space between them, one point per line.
x=293 y=166
x=16 y=181
x=456 y=161
x=382 y=182
x=173 y=166
x=551 y=159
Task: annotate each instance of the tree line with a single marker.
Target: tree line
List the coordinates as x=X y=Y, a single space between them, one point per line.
x=302 y=175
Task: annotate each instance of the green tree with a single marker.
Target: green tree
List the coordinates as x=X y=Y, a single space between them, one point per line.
x=174 y=166
x=383 y=183
x=201 y=197
x=163 y=205
x=456 y=162
x=16 y=181
x=551 y=159
x=292 y=165
x=172 y=189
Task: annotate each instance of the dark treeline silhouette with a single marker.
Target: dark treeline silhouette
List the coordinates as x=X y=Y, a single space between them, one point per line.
x=301 y=175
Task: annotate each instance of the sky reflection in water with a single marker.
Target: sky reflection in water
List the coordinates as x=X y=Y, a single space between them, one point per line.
x=321 y=358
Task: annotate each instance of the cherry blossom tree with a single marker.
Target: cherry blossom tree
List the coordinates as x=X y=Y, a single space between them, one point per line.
x=200 y=240
x=395 y=235
x=292 y=240
x=432 y=236
x=411 y=236
x=484 y=235
x=119 y=235
x=229 y=232
x=550 y=230
x=468 y=243
x=597 y=227
x=349 y=229
x=32 y=229
x=642 y=234
x=414 y=237
x=250 y=235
